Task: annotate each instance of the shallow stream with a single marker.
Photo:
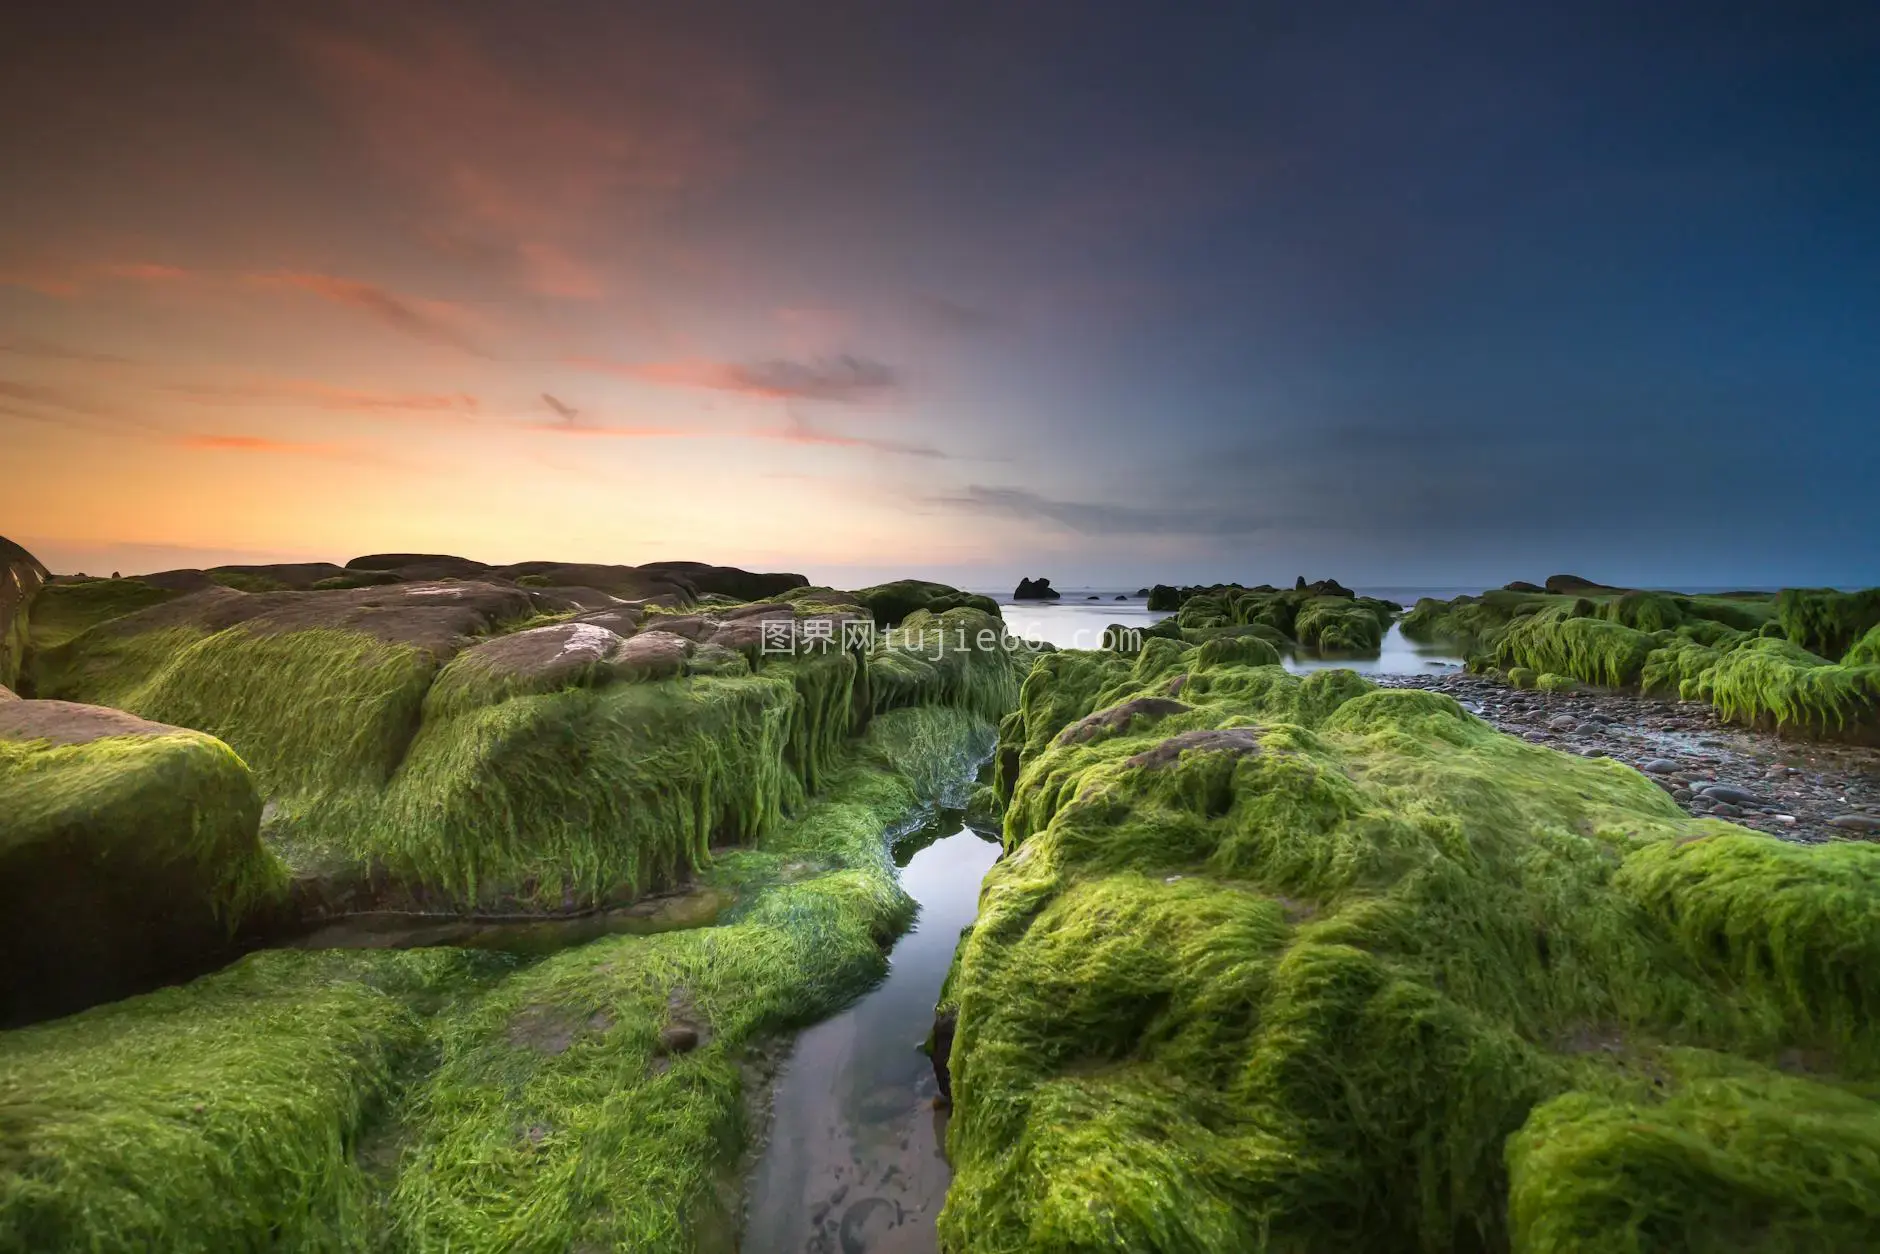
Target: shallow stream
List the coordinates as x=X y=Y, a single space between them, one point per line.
x=855 y=1160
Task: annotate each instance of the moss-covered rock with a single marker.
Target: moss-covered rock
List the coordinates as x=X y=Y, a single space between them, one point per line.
x=1322 y=617
x=1310 y=965
x=129 y=853
x=224 y=1115
x=891 y=603
x=442 y=746
x=1827 y=622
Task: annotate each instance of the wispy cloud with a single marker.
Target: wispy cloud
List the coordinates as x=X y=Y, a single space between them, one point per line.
x=434 y=322
x=313 y=395
x=567 y=412
x=844 y=379
x=46 y=350
x=528 y=168
x=1106 y=518
x=252 y=444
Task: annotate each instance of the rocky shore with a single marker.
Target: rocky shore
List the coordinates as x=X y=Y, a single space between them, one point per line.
x=1799 y=790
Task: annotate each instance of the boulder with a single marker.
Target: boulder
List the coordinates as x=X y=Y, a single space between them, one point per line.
x=129 y=855
x=1035 y=590
x=275 y=577
x=653 y=655
x=1522 y=585
x=419 y=566
x=728 y=581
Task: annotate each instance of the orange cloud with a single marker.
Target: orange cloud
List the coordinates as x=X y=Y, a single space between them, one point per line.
x=434 y=322
x=250 y=444
x=69 y=281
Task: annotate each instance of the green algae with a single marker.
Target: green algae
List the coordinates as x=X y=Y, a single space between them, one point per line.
x=433 y=1099
x=892 y=603
x=1288 y=969
x=179 y=808
x=1593 y=650
x=559 y=787
x=64 y=610
x=1765 y=680
x=1865 y=651
x=222 y=1115
x=1310 y=617
x=1827 y=622
x=557 y=1120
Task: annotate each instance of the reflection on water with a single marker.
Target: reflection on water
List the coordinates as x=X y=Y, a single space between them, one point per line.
x=1398 y=656
x=854 y=1162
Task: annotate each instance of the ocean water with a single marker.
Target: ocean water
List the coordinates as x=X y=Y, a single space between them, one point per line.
x=1077 y=621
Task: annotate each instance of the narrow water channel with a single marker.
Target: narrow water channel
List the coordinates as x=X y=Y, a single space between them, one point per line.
x=855 y=1162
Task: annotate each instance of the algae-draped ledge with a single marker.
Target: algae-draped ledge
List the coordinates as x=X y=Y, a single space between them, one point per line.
x=1275 y=963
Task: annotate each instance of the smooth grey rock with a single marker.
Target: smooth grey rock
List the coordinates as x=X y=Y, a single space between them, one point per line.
x=1856 y=822
x=1660 y=766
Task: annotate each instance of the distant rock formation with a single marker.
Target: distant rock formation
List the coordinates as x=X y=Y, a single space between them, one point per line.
x=1568 y=584
x=1035 y=590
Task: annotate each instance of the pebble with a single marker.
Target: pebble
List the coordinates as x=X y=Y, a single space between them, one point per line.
x=1727 y=810
x=1660 y=766
x=678 y=1039
x=1563 y=722
x=1730 y=795
x=1537 y=737
x=1856 y=822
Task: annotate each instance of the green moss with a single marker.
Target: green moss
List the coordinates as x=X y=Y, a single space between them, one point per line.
x=1866 y=650
x=494 y=786
x=1826 y=622
x=1765 y=680
x=63 y=610
x=179 y=808
x=1289 y=968
x=1557 y=683
x=1644 y=611
x=1737 y=1159
x=962 y=657
x=250 y=581
x=224 y=1115
x=891 y=603
x=1593 y=650
x=1523 y=677
x=1339 y=625
x=554 y=1121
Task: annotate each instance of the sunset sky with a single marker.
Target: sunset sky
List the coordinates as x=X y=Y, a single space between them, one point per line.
x=1108 y=293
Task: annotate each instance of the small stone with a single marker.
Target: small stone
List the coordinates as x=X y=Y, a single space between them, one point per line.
x=1700 y=804
x=1592 y=753
x=1727 y=810
x=1681 y=795
x=1729 y=794
x=1787 y=820
x=1563 y=723
x=1537 y=737
x=1660 y=766
x=680 y=1038
x=1856 y=822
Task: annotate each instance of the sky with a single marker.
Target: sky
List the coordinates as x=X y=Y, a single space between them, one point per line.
x=1116 y=294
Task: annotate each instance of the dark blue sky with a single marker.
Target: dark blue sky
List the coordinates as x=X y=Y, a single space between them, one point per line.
x=1396 y=293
